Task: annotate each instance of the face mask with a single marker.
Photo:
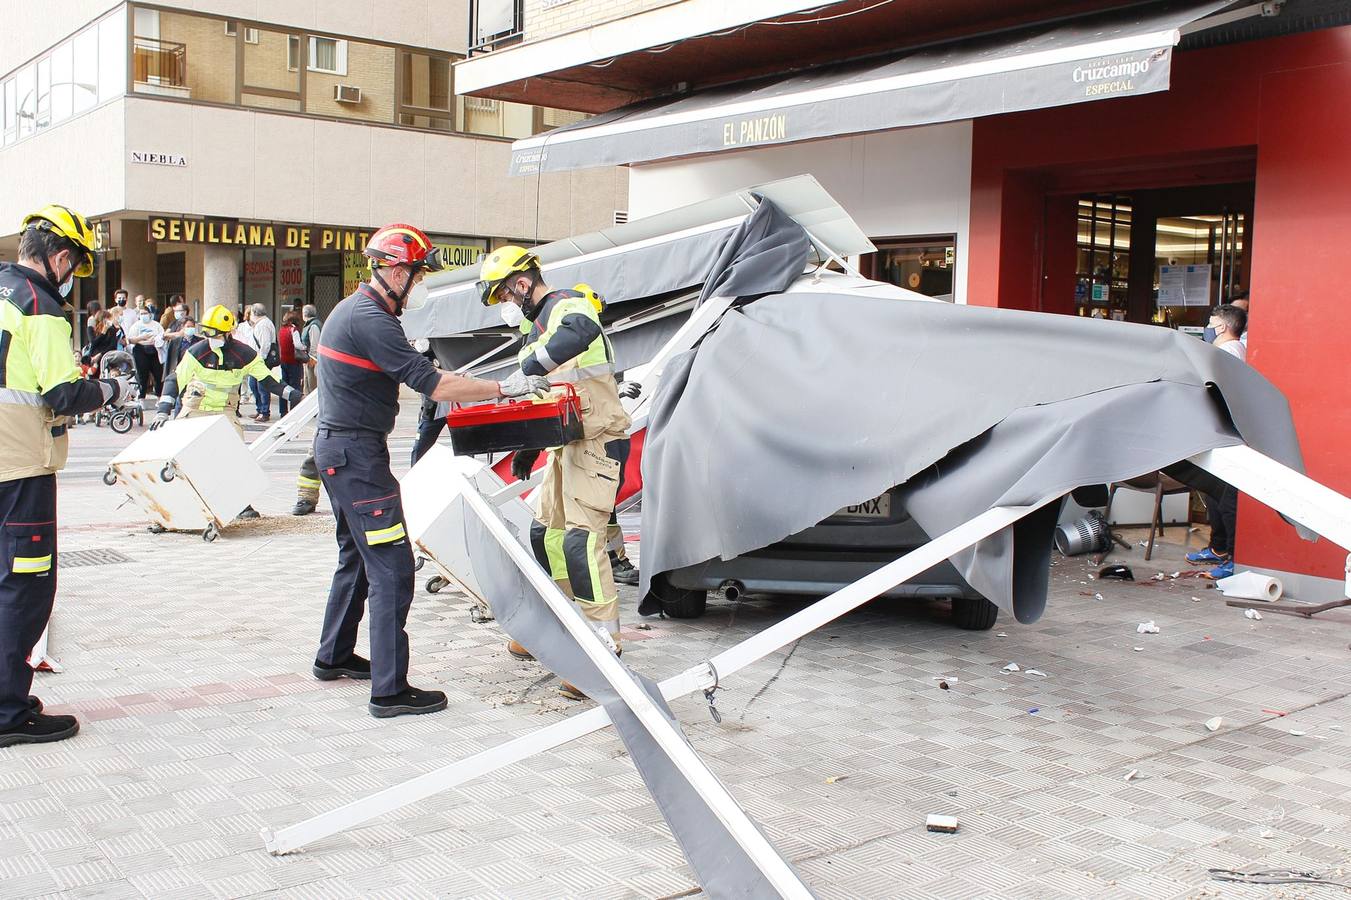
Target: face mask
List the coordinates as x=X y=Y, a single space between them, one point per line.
x=511 y=314
x=178 y=314
x=1208 y=335
x=145 y=317
x=190 y=331
x=122 y=301
x=417 y=297
x=216 y=342
x=64 y=289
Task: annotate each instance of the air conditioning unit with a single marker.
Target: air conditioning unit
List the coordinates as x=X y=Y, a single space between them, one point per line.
x=346 y=93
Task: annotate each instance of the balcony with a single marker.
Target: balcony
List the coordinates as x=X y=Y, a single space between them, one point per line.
x=160 y=67
x=494 y=24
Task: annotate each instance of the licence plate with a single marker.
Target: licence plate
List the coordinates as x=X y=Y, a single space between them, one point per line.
x=876 y=508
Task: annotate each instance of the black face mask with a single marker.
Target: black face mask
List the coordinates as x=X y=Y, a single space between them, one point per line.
x=122 y=301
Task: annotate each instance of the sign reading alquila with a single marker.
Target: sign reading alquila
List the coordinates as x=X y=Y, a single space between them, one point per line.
x=255 y=234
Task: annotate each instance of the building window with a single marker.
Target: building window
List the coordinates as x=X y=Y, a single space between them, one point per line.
x=232 y=29
x=425 y=92
x=923 y=265
x=327 y=55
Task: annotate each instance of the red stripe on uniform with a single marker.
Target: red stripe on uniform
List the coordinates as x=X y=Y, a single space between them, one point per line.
x=348 y=358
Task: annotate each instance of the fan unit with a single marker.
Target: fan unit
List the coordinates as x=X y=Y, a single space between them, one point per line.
x=346 y=93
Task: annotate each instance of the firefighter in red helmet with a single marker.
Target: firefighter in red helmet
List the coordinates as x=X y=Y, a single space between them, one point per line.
x=363 y=357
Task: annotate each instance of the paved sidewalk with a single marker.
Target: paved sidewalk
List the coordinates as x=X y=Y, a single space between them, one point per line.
x=189 y=666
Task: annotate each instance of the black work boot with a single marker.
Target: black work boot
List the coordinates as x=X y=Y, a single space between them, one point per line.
x=624 y=571
x=303 y=507
x=408 y=702
x=249 y=513
x=353 y=667
x=39 y=729
x=34 y=704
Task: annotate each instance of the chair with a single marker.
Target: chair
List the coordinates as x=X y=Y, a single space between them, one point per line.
x=1160 y=485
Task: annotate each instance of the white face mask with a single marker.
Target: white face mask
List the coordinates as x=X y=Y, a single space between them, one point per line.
x=512 y=314
x=216 y=342
x=64 y=289
x=178 y=314
x=417 y=297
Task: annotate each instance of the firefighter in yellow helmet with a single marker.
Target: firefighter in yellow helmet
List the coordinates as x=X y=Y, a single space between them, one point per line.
x=40 y=389
x=565 y=342
x=209 y=375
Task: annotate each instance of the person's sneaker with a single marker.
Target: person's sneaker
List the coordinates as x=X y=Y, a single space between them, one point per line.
x=1205 y=556
x=571 y=691
x=1223 y=570
x=625 y=572
x=353 y=667
x=39 y=729
x=248 y=513
x=518 y=651
x=303 y=508
x=408 y=702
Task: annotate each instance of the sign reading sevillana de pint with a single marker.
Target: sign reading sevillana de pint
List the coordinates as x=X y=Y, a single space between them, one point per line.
x=255 y=234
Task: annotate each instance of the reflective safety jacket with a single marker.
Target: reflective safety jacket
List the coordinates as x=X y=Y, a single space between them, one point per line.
x=40 y=384
x=567 y=343
x=209 y=379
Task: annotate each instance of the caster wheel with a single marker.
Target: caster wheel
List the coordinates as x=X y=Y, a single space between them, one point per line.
x=435 y=583
x=156 y=528
x=109 y=478
x=211 y=533
x=167 y=473
x=421 y=561
x=120 y=424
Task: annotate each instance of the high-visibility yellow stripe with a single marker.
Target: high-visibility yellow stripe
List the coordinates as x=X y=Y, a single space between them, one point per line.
x=553 y=548
x=302 y=481
x=388 y=535
x=31 y=565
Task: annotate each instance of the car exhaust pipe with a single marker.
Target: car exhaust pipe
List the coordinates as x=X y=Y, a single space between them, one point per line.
x=732 y=589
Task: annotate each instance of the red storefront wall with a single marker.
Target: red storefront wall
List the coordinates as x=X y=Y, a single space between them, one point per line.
x=1279 y=107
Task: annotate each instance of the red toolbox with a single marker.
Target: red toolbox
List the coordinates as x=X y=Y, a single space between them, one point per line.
x=516 y=424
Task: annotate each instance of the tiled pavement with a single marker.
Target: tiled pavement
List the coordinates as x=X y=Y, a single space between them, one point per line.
x=189 y=667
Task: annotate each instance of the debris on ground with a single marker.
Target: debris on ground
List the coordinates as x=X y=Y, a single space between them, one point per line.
x=944 y=824
x=1118 y=572
x=1002 y=634
x=1097 y=596
x=1157 y=576
x=1297 y=732
x=1034 y=710
x=1147 y=628
x=834 y=778
x=1252 y=614
x=1138 y=649
x=1037 y=672
x=1214 y=724
x=1132 y=773
x=1276 y=712
x=942 y=685
x=1012 y=667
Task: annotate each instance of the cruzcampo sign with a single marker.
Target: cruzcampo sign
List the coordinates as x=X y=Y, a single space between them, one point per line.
x=255 y=234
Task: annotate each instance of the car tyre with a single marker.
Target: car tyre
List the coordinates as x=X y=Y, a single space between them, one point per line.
x=679 y=603
x=974 y=613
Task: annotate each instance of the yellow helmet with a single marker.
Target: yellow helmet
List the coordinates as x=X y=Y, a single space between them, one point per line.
x=500 y=265
x=70 y=225
x=590 y=293
x=219 y=319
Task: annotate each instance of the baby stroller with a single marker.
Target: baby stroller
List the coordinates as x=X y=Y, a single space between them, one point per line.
x=117 y=363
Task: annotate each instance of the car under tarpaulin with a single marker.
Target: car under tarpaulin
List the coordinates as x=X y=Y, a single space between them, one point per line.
x=799 y=404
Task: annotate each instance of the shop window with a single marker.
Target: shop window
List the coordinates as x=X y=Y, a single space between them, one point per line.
x=923 y=265
x=425 y=91
x=1102 y=270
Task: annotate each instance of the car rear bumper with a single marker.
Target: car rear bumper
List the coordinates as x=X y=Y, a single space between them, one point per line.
x=825 y=573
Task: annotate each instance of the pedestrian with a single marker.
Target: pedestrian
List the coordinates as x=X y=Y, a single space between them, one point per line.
x=1229 y=323
x=567 y=342
x=146 y=339
x=292 y=371
x=130 y=315
x=209 y=375
x=40 y=387
x=174 y=317
x=1242 y=301
x=264 y=338
x=364 y=356
x=309 y=339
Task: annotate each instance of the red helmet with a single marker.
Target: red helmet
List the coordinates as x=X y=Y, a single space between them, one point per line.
x=403 y=245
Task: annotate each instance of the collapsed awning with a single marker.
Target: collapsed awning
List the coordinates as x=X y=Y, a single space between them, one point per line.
x=1117 y=54
x=646 y=258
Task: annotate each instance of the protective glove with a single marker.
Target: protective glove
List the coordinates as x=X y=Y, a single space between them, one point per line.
x=291 y=395
x=116 y=390
x=519 y=384
x=630 y=390
x=160 y=418
x=523 y=463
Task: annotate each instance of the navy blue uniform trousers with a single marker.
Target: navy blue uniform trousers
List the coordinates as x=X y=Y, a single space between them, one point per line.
x=27 y=584
x=375 y=560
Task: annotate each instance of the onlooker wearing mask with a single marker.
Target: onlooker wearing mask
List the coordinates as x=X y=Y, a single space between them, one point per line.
x=146 y=339
x=309 y=338
x=1229 y=323
x=265 y=340
x=130 y=315
x=167 y=317
x=288 y=338
x=174 y=317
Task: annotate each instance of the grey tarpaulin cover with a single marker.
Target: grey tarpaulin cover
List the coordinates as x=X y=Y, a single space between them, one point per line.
x=800 y=404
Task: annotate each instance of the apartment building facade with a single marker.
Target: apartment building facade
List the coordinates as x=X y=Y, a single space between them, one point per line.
x=1083 y=157
x=242 y=151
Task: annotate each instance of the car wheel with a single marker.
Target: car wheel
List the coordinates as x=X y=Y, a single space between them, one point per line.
x=974 y=613
x=679 y=603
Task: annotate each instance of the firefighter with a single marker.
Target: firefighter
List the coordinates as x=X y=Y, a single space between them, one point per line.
x=566 y=342
x=209 y=376
x=40 y=388
x=363 y=357
x=625 y=572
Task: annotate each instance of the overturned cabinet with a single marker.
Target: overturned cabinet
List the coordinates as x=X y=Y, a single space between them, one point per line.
x=189 y=475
